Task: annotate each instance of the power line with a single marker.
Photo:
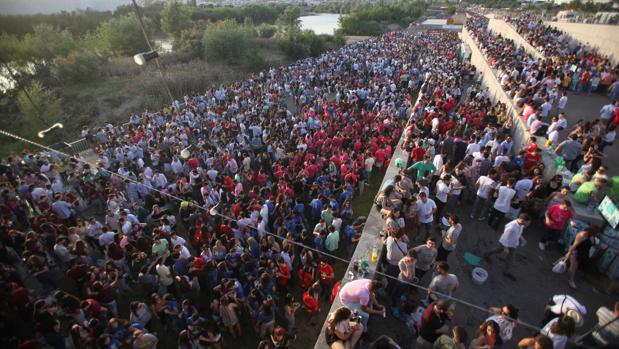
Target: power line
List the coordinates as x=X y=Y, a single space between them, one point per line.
x=332 y=256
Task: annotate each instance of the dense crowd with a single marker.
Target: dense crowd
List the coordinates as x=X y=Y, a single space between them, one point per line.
x=539 y=88
x=205 y=220
x=279 y=156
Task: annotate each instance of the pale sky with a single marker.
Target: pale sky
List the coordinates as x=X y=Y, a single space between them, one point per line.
x=50 y=6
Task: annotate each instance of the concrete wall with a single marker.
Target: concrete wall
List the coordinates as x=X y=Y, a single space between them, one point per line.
x=520 y=134
x=370 y=237
x=605 y=38
x=499 y=26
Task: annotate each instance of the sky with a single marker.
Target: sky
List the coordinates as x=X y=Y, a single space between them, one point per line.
x=12 y=7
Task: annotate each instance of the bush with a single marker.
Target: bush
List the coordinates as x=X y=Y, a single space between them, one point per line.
x=266 y=31
x=78 y=66
x=226 y=40
x=122 y=35
x=298 y=44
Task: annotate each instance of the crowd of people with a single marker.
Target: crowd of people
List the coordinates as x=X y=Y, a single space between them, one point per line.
x=581 y=67
x=206 y=220
x=265 y=170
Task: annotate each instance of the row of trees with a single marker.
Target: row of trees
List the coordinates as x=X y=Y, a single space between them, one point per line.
x=374 y=19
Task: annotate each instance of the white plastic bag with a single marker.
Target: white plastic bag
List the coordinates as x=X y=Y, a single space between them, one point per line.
x=559 y=267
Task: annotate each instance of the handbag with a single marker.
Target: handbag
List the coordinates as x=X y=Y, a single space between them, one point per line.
x=560 y=266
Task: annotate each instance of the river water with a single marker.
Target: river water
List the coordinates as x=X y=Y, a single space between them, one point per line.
x=323 y=23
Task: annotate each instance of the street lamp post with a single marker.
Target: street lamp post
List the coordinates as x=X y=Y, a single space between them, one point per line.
x=142 y=58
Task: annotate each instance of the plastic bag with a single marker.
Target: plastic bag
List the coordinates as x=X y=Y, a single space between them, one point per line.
x=559 y=267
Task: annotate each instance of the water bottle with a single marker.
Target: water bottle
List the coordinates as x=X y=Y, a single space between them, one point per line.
x=374 y=256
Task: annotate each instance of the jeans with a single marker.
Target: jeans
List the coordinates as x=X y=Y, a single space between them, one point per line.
x=495 y=218
x=480 y=206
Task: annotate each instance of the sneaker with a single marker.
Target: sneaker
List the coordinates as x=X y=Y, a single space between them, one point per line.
x=481 y=219
x=572 y=284
x=541 y=246
x=471 y=217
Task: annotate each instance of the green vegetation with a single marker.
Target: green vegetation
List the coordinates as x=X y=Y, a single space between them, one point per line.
x=373 y=19
x=226 y=40
x=175 y=17
x=78 y=67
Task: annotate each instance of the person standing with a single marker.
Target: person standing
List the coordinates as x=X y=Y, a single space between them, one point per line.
x=556 y=218
x=443 y=284
x=485 y=186
x=433 y=324
x=426 y=256
x=509 y=241
x=443 y=188
x=426 y=209
x=502 y=204
x=450 y=237
x=578 y=254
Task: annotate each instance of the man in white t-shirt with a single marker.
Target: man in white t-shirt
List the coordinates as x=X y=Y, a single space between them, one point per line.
x=485 y=187
x=443 y=187
x=502 y=204
x=426 y=208
x=509 y=241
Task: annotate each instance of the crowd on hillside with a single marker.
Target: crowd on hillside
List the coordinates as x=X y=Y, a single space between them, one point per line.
x=204 y=221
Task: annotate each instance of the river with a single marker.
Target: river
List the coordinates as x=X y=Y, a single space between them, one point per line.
x=323 y=23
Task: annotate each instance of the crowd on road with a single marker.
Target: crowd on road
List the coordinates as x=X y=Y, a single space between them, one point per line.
x=211 y=218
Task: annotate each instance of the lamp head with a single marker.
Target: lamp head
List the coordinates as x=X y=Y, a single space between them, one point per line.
x=143 y=57
x=42 y=133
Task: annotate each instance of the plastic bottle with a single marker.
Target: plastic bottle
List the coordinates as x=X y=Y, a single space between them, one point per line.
x=374 y=256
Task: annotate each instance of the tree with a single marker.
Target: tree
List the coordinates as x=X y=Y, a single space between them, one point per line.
x=189 y=40
x=266 y=30
x=290 y=16
x=122 y=35
x=39 y=106
x=78 y=66
x=175 y=17
x=226 y=40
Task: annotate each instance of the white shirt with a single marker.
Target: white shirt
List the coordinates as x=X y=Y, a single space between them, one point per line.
x=442 y=190
x=438 y=163
x=500 y=159
x=425 y=210
x=165 y=276
x=554 y=136
x=559 y=341
x=511 y=235
x=564 y=302
x=504 y=199
x=485 y=184
x=106 y=238
x=562 y=102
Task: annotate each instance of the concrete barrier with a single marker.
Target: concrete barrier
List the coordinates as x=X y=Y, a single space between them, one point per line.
x=519 y=132
x=370 y=237
x=506 y=30
x=604 y=38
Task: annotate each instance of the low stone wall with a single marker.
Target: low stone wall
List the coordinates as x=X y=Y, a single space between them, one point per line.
x=499 y=26
x=605 y=38
x=369 y=238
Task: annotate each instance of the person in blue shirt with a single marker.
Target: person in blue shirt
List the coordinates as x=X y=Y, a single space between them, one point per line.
x=172 y=311
x=317 y=206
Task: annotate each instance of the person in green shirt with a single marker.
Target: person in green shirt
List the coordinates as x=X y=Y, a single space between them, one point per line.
x=424 y=169
x=160 y=246
x=588 y=190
